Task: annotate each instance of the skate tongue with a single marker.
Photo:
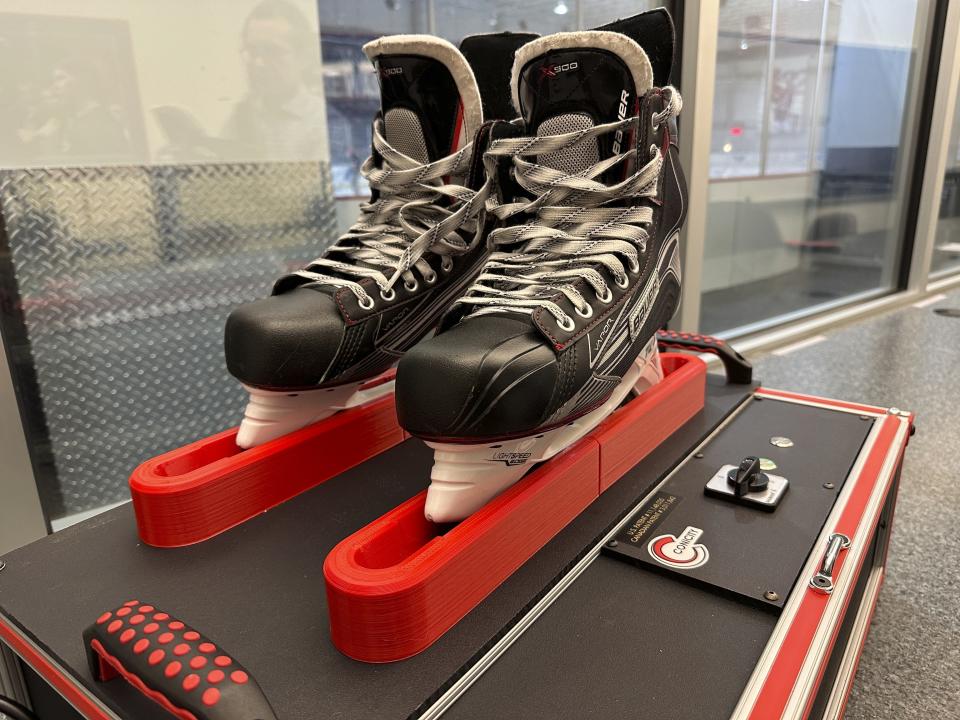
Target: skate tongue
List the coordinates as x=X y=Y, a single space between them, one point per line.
x=429 y=97
x=574 y=81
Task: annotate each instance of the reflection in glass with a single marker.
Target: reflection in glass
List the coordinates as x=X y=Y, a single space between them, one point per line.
x=946 y=247
x=812 y=142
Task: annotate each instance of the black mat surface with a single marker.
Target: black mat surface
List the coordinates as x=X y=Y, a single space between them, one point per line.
x=258 y=589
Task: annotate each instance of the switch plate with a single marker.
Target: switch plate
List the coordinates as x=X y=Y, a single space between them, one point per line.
x=767 y=499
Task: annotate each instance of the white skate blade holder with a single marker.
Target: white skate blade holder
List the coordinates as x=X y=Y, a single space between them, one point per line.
x=271 y=414
x=465 y=477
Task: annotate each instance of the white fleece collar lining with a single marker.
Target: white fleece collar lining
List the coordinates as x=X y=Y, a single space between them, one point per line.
x=443 y=52
x=628 y=50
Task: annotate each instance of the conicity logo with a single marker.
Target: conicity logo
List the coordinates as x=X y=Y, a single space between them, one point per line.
x=682 y=551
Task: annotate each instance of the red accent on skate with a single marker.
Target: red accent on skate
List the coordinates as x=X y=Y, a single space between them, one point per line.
x=172 y=669
x=114 y=626
x=191 y=681
x=176 y=625
x=140 y=645
x=151 y=627
x=137 y=619
x=146 y=609
x=127 y=635
x=124 y=611
x=156 y=657
x=161 y=616
x=181 y=649
x=239 y=677
x=198 y=491
x=131 y=603
x=401 y=567
x=207 y=647
x=198 y=662
x=191 y=635
x=103 y=618
x=215 y=676
x=164 y=638
x=221 y=661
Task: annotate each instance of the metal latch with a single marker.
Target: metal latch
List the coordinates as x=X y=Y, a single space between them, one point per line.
x=822 y=582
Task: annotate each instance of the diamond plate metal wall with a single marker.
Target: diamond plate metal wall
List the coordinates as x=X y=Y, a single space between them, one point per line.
x=120 y=280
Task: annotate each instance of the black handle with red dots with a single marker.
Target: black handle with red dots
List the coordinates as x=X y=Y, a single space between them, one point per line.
x=738 y=369
x=174 y=665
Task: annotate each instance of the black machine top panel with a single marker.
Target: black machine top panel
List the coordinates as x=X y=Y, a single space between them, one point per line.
x=258 y=589
x=676 y=650
x=739 y=549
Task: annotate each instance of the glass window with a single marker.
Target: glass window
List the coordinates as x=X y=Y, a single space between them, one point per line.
x=946 y=248
x=161 y=163
x=813 y=129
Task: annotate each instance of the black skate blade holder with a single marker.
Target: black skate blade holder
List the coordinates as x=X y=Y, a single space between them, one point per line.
x=738 y=369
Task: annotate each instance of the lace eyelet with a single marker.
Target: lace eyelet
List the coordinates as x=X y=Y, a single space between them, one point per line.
x=607 y=297
x=430 y=279
x=412 y=287
x=587 y=314
x=366 y=306
x=389 y=295
x=654 y=125
x=567 y=324
x=654 y=150
x=446 y=264
x=634 y=266
x=622 y=285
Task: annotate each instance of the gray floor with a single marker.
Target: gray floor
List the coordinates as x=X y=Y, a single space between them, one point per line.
x=910 y=359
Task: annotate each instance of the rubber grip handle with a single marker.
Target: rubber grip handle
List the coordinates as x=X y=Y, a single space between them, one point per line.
x=737 y=368
x=177 y=667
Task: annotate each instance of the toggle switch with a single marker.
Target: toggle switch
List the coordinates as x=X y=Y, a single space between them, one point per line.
x=747 y=484
x=748 y=477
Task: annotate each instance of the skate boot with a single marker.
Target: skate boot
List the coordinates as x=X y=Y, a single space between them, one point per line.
x=344 y=319
x=561 y=324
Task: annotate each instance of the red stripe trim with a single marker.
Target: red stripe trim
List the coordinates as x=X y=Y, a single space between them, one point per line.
x=780 y=681
x=823 y=401
x=71 y=691
x=457 y=128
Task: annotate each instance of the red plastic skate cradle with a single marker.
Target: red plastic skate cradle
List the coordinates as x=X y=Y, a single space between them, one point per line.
x=198 y=491
x=397 y=585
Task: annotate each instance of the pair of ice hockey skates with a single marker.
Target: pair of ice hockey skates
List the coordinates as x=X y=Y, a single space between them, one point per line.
x=542 y=249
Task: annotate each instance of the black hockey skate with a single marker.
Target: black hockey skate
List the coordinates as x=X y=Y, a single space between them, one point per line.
x=346 y=317
x=561 y=324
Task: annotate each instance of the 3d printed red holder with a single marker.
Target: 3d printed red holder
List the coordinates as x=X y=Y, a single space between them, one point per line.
x=397 y=585
x=198 y=491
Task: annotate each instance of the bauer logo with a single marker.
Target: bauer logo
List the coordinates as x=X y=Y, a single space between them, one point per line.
x=551 y=70
x=511 y=458
x=682 y=551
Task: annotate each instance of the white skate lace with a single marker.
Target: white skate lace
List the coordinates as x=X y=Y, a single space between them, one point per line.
x=416 y=211
x=572 y=231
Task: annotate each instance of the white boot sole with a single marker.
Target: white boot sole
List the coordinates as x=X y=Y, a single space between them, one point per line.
x=271 y=414
x=465 y=477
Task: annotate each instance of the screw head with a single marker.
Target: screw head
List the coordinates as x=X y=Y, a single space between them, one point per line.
x=612 y=543
x=864 y=417
x=699 y=455
x=771 y=595
x=781 y=442
x=829 y=485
